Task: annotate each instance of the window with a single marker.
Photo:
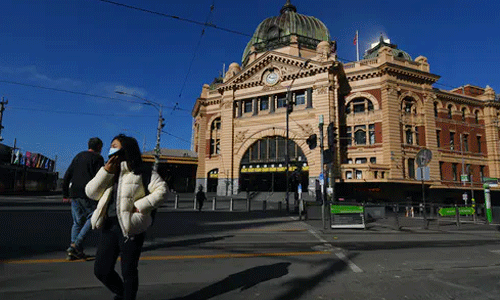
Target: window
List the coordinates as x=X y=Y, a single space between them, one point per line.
x=300 y=98
x=349 y=136
x=479 y=150
x=382 y=175
x=264 y=103
x=452 y=141
x=438 y=138
x=441 y=165
x=408 y=107
x=476 y=117
x=348 y=174
x=361 y=160
x=463 y=114
x=358 y=107
x=466 y=142
x=454 y=171
x=215 y=136
x=370 y=105
x=247 y=106
x=281 y=100
x=409 y=135
x=411 y=167
x=373 y=160
x=468 y=170
x=360 y=134
x=371 y=132
x=435 y=109
x=449 y=111
x=359 y=174
x=481 y=172
x=349 y=161
x=375 y=174
x=416 y=136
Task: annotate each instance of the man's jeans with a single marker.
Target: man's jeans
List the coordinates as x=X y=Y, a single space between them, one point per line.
x=81 y=212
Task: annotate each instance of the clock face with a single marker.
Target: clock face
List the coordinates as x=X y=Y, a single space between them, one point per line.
x=272 y=78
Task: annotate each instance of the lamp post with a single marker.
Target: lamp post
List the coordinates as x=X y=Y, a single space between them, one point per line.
x=289 y=109
x=158 y=107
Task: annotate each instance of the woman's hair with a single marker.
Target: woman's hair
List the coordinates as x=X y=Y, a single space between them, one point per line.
x=132 y=152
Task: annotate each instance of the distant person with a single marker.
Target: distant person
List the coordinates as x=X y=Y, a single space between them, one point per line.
x=81 y=170
x=127 y=192
x=200 y=197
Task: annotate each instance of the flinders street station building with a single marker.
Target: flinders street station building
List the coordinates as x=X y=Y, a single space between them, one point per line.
x=375 y=114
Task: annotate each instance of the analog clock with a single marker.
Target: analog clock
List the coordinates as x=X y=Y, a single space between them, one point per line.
x=272 y=78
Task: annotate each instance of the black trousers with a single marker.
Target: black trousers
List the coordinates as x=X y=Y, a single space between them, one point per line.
x=111 y=244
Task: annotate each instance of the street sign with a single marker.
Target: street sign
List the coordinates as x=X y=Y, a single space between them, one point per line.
x=299 y=189
x=423 y=157
x=321 y=179
x=465 y=197
x=347 y=216
x=493 y=182
x=427 y=173
x=464 y=178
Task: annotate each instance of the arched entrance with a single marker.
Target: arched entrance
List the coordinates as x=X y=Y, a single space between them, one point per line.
x=212 y=179
x=263 y=168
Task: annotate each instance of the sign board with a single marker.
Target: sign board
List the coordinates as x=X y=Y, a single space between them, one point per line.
x=450 y=211
x=427 y=173
x=321 y=179
x=465 y=196
x=493 y=182
x=464 y=178
x=423 y=157
x=347 y=216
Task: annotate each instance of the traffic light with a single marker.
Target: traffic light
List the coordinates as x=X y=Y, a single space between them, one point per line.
x=332 y=135
x=289 y=102
x=312 y=141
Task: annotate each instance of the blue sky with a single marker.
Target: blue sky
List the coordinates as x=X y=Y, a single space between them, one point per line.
x=92 y=47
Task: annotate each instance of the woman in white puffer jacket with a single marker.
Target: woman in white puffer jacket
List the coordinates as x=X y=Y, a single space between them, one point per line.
x=123 y=214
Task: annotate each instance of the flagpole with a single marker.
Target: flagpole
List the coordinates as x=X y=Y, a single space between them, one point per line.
x=357 y=45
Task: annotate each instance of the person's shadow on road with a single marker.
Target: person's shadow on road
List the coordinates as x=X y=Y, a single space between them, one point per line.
x=244 y=280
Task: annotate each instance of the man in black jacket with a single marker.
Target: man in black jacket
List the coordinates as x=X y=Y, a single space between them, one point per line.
x=82 y=169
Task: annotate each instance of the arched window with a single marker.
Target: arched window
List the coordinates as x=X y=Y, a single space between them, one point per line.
x=449 y=111
x=215 y=136
x=409 y=135
x=435 y=109
x=272 y=149
x=463 y=113
x=409 y=105
x=476 y=117
x=360 y=134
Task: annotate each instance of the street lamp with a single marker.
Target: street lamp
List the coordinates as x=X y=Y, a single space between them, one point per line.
x=158 y=107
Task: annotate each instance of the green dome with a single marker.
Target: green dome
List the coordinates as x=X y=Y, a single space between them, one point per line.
x=275 y=32
x=373 y=52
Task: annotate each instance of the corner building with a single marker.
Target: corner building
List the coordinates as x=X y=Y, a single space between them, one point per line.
x=383 y=110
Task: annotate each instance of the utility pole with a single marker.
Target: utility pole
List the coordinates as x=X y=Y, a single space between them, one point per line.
x=158 y=134
x=322 y=182
x=2 y=108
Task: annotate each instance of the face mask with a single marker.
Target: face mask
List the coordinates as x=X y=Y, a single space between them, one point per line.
x=113 y=151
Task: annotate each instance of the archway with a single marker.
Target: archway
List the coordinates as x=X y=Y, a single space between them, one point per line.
x=262 y=167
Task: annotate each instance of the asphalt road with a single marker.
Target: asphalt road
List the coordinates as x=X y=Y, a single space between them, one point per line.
x=240 y=255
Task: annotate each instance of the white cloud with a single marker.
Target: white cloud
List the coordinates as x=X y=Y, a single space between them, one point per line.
x=31 y=73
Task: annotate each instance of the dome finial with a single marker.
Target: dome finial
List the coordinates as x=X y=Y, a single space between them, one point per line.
x=288 y=7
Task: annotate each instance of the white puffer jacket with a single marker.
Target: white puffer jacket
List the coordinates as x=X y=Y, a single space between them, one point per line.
x=130 y=195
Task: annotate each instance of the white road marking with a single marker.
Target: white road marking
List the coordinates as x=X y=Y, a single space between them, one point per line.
x=329 y=247
x=495 y=251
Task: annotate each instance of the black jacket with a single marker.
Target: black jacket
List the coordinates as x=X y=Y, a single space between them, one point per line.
x=82 y=169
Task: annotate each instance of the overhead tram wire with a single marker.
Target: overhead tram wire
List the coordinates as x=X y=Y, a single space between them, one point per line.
x=179 y=138
x=81 y=93
x=76 y=112
x=176 y=18
x=207 y=21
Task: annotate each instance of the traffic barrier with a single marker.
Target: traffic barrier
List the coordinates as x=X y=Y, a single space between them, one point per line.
x=194 y=202
x=213 y=203
x=231 y=203
x=176 y=203
x=264 y=205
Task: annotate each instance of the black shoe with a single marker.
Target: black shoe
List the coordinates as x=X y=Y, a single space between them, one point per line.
x=74 y=253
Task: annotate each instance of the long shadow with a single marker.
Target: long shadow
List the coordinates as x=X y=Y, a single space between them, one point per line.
x=244 y=280
x=301 y=286
x=183 y=243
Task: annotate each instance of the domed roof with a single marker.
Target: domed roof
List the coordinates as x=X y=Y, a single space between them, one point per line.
x=373 y=52
x=275 y=32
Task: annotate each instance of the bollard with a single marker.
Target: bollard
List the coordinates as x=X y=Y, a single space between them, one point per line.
x=396 y=210
x=213 y=203
x=248 y=204
x=176 y=204
x=264 y=205
x=457 y=213
x=194 y=202
x=279 y=206
x=301 y=208
x=231 y=204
